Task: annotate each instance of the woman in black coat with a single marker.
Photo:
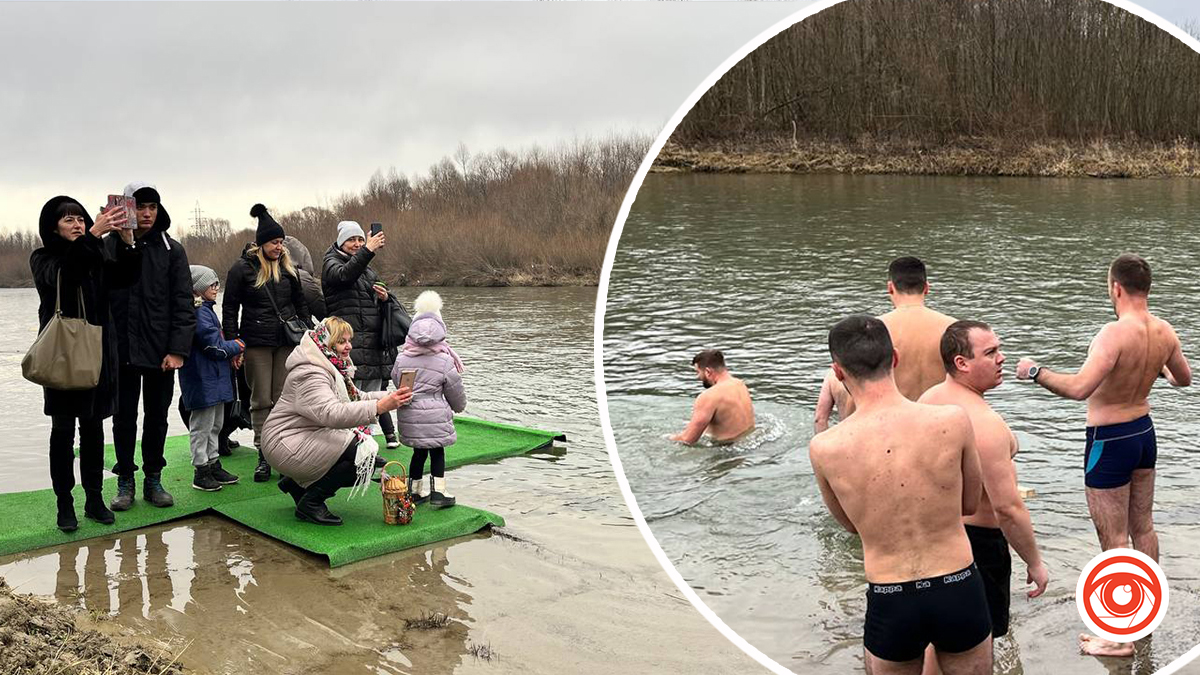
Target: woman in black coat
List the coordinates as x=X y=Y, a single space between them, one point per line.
x=351 y=295
x=72 y=246
x=264 y=286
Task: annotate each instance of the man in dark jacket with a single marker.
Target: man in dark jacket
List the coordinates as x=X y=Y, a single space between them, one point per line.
x=154 y=320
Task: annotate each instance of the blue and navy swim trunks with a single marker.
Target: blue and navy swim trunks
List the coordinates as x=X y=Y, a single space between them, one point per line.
x=1115 y=450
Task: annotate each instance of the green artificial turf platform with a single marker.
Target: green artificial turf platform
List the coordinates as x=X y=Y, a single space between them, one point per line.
x=362 y=534
x=30 y=516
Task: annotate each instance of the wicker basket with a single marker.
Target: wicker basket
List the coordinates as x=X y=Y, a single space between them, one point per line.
x=398 y=505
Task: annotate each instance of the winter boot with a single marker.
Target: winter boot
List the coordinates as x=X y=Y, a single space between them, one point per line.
x=262 y=472
x=153 y=492
x=126 y=491
x=311 y=506
x=94 y=508
x=203 y=479
x=439 y=498
x=67 y=522
x=291 y=488
x=418 y=490
x=221 y=475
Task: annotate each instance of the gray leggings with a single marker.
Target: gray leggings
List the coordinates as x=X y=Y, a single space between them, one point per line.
x=204 y=428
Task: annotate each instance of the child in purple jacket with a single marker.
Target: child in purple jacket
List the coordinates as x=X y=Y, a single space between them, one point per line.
x=206 y=385
x=426 y=424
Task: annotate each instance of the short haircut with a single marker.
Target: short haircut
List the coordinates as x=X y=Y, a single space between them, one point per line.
x=709 y=358
x=956 y=341
x=862 y=346
x=1132 y=272
x=69 y=209
x=907 y=274
x=338 y=328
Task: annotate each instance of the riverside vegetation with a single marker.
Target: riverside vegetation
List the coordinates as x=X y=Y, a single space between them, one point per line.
x=537 y=217
x=982 y=87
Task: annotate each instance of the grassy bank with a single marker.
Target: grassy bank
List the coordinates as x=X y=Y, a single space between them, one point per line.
x=39 y=637
x=962 y=156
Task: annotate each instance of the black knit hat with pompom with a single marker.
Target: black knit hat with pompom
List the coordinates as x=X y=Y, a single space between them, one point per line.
x=268 y=229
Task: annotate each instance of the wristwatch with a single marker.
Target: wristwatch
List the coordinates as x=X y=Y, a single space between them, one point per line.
x=1033 y=372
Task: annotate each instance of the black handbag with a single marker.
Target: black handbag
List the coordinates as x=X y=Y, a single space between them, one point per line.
x=395 y=323
x=293 y=328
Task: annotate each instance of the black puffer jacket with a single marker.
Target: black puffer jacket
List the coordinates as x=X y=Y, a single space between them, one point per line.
x=260 y=325
x=85 y=266
x=155 y=316
x=347 y=281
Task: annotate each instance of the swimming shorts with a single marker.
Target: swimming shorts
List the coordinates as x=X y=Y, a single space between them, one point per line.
x=1115 y=450
x=950 y=611
x=990 y=549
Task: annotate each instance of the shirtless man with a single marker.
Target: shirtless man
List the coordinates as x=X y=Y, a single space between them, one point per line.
x=974 y=364
x=902 y=475
x=916 y=333
x=1123 y=362
x=724 y=408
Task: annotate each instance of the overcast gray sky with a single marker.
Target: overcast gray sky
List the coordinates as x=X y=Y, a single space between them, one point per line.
x=292 y=104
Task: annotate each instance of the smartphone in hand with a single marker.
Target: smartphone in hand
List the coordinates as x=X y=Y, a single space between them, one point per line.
x=376 y=228
x=407 y=379
x=126 y=205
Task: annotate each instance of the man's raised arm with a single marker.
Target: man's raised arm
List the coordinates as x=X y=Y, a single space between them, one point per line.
x=1101 y=359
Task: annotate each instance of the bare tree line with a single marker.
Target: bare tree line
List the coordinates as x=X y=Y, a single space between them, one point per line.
x=538 y=216
x=933 y=70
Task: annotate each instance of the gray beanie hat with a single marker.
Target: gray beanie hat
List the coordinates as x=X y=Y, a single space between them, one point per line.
x=202 y=278
x=347 y=229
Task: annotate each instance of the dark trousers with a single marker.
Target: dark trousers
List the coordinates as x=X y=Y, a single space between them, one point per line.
x=437 y=463
x=342 y=474
x=62 y=454
x=156 y=389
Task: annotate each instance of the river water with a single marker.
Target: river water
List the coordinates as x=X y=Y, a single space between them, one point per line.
x=568 y=586
x=762 y=266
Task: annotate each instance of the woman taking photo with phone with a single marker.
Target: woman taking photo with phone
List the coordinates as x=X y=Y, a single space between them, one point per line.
x=76 y=262
x=264 y=287
x=354 y=293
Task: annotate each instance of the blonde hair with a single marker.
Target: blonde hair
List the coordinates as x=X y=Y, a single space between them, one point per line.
x=338 y=329
x=268 y=270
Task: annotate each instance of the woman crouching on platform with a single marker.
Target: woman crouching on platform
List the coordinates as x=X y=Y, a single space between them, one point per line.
x=318 y=434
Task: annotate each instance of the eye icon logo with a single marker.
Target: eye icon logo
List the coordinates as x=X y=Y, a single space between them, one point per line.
x=1122 y=595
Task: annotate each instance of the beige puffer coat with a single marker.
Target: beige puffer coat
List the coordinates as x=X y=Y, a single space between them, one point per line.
x=313 y=422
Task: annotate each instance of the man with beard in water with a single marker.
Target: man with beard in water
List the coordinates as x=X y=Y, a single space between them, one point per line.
x=724 y=408
x=902 y=475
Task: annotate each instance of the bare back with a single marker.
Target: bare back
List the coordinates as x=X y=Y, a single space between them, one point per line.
x=897 y=474
x=733 y=411
x=916 y=333
x=1141 y=345
x=992 y=434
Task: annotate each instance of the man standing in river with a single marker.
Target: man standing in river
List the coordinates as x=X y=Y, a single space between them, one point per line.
x=974 y=365
x=1125 y=359
x=916 y=333
x=902 y=475
x=724 y=408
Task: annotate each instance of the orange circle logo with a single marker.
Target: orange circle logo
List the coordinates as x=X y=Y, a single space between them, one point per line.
x=1122 y=595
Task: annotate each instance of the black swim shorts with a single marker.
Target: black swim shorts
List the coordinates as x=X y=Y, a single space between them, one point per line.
x=990 y=549
x=950 y=611
x=1115 y=450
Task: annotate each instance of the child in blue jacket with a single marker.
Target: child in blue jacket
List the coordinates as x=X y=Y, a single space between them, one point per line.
x=206 y=385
